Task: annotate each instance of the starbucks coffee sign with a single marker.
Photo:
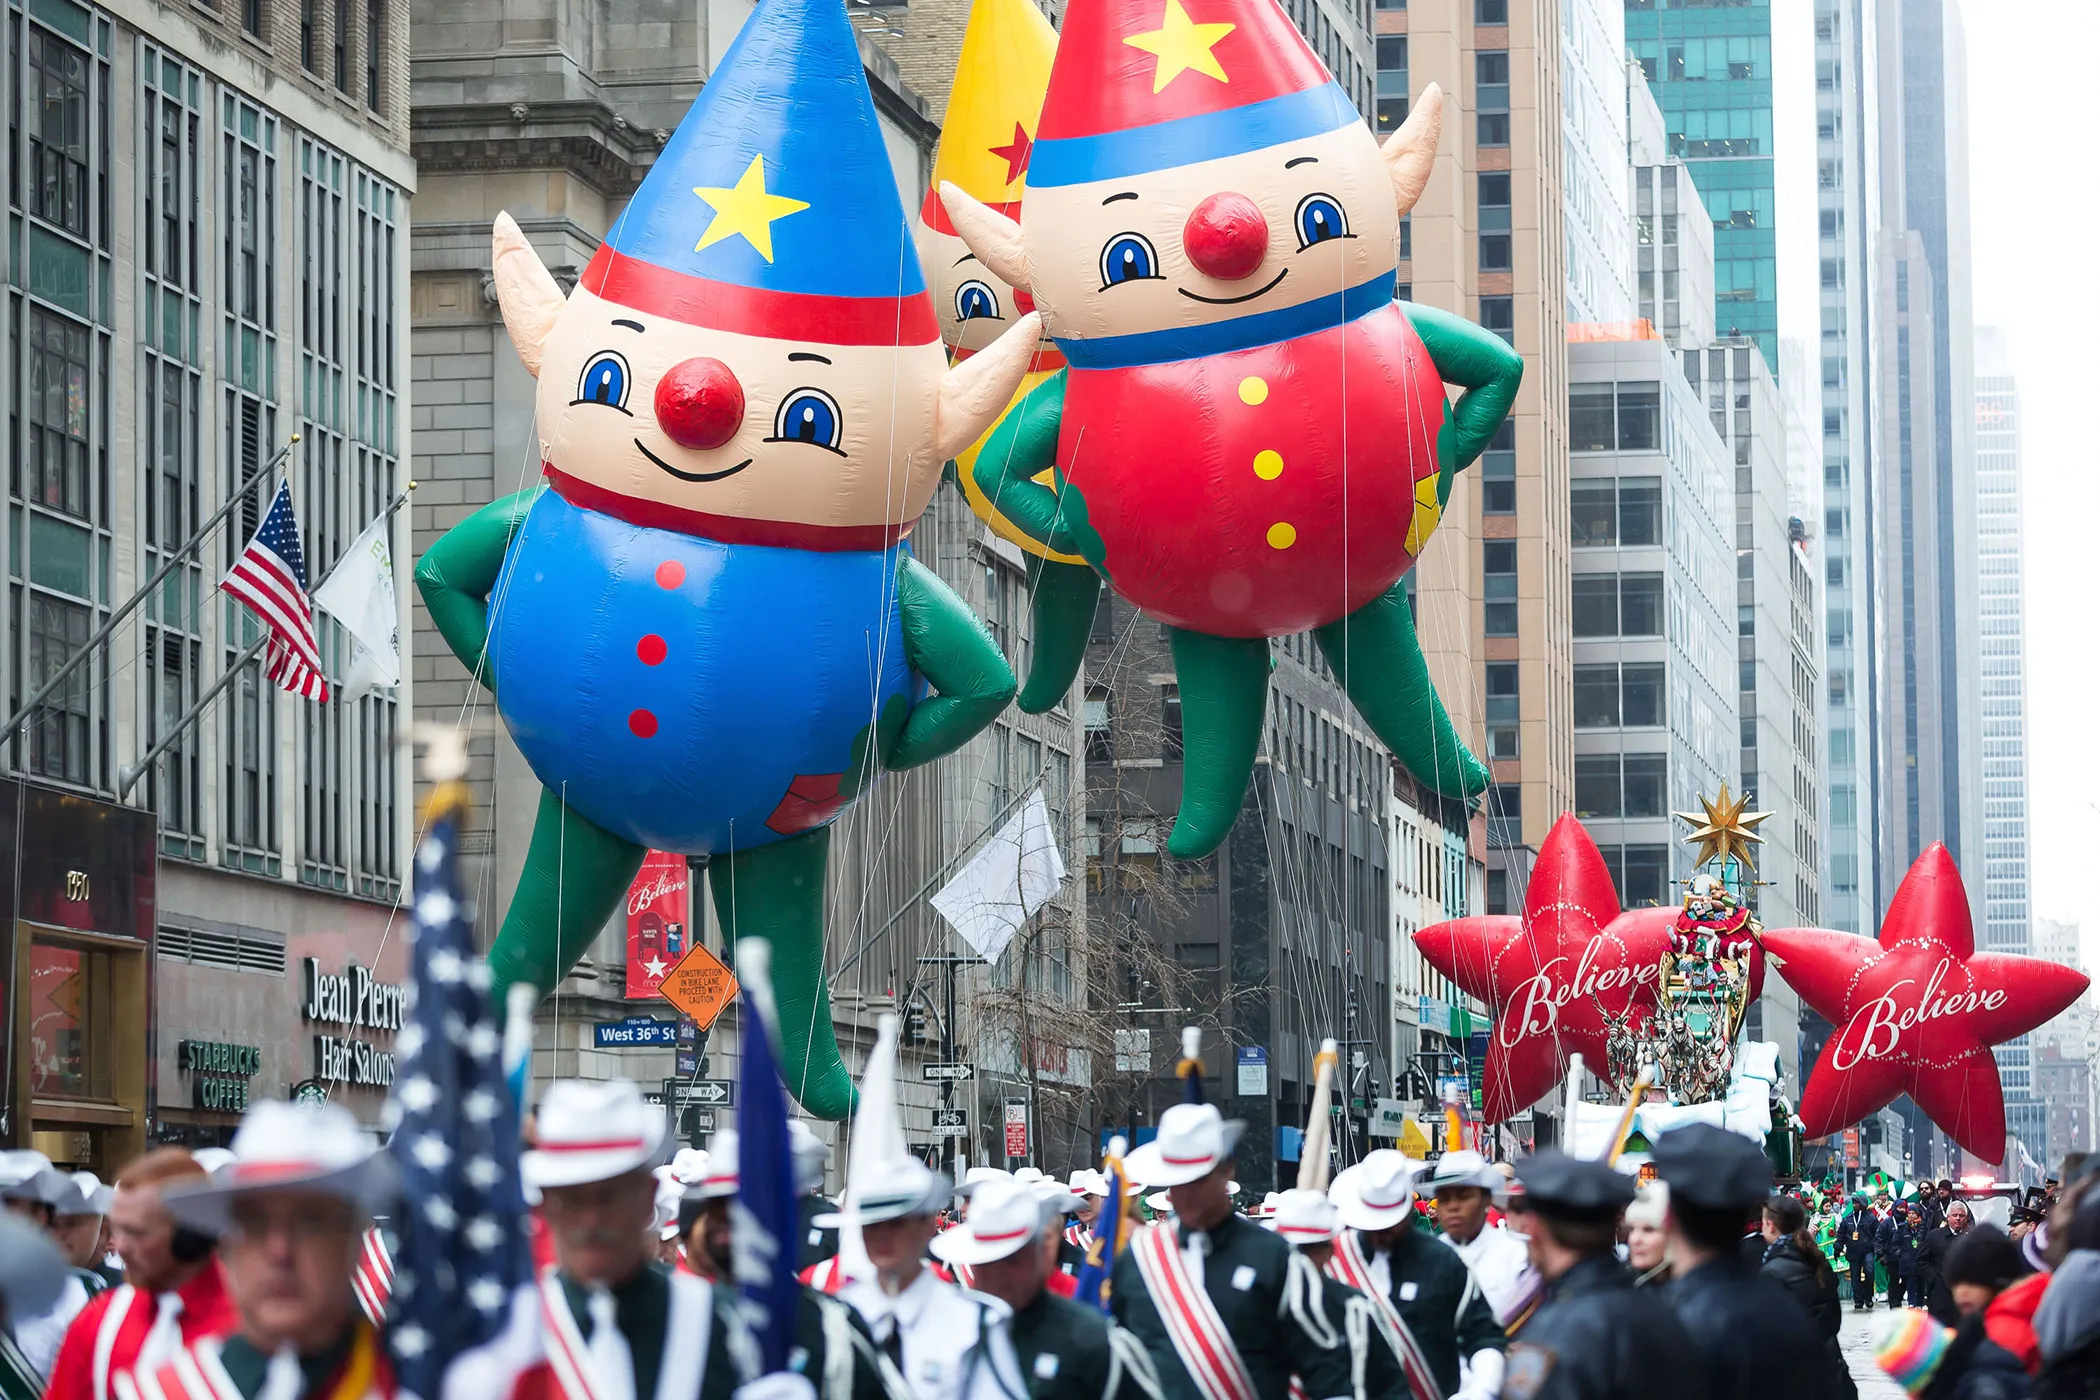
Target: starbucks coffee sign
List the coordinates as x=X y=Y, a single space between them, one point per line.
x=352 y=1000
x=220 y=1073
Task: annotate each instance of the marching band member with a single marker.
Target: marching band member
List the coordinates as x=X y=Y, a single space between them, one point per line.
x=1066 y=1351
x=948 y=1343
x=1209 y=1294
x=1088 y=1188
x=175 y=1294
x=1426 y=1283
x=832 y=1345
x=290 y=1210
x=616 y=1325
x=1307 y=1220
x=1465 y=1185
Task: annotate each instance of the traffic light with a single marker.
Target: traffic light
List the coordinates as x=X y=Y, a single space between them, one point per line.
x=915 y=1022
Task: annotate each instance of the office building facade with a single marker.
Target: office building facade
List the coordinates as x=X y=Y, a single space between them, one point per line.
x=209 y=213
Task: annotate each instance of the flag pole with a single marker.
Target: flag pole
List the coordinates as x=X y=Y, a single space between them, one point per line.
x=128 y=778
x=145 y=590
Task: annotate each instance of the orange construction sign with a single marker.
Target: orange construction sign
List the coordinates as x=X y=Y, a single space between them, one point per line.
x=700 y=986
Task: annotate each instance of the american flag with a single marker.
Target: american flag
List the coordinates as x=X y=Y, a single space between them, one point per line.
x=270 y=577
x=765 y=1223
x=373 y=1278
x=461 y=1246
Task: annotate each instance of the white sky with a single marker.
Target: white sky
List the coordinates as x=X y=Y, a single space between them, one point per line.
x=2037 y=274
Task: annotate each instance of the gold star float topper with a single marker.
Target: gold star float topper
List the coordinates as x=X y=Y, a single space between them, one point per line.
x=746 y=210
x=1725 y=830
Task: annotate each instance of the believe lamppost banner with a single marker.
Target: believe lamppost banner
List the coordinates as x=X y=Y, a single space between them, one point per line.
x=657 y=905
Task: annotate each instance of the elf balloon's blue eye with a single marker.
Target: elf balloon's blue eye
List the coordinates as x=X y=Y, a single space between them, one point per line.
x=1129 y=257
x=975 y=301
x=808 y=415
x=1320 y=218
x=604 y=381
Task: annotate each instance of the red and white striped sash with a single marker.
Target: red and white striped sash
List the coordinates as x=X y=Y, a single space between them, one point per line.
x=1078 y=1236
x=115 y=1314
x=373 y=1278
x=1349 y=1266
x=1191 y=1320
x=567 y=1354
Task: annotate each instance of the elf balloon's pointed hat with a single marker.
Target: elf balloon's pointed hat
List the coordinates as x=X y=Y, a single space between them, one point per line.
x=994 y=108
x=1145 y=85
x=772 y=211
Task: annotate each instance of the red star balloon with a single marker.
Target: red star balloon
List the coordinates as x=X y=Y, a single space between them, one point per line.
x=1554 y=977
x=1918 y=1010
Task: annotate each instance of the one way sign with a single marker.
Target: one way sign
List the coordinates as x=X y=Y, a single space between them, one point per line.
x=707 y=1092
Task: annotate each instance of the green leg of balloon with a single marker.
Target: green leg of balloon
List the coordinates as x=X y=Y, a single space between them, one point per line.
x=1224 y=701
x=1065 y=596
x=776 y=892
x=575 y=875
x=1379 y=662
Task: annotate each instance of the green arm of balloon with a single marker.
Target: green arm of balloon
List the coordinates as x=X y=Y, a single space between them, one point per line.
x=457 y=573
x=1484 y=365
x=1021 y=447
x=946 y=643
x=1063 y=598
x=1224 y=700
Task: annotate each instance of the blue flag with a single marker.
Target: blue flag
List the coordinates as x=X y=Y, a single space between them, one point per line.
x=462 y=1248
x=1111 y=1232
x=765 y=1221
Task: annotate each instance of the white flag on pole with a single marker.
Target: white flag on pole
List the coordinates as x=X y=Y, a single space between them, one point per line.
x=360 y=596
x=1013 y=876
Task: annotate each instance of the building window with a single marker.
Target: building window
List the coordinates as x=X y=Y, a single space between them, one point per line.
x=1505 y=814
x=1498 y=471
x=1616 y=511
x=170 y=436
x=1625 y=418
x=1493 y=190
x=308 y=23
x=1499 y=586
x=1616 y=696
x=1392 y=83
x=342 y=45
x=1100 y=737
x=56 y=103
x=1491 y=11
x=1499 y=314
x=1502 y=709
x=1640 y=873
x=1618 y=605
x=375 y=35
x=251 y=17
x=1491 y=97
x=57 y=352
x=1170 y=721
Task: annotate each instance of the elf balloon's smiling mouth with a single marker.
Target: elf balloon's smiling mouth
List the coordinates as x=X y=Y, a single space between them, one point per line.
x=1234 y=301
x=722 y=475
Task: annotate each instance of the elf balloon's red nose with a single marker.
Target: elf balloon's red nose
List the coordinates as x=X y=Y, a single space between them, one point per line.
x=1226 y=237
x=699 y=404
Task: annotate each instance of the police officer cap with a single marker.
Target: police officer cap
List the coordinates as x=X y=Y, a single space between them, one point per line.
x=1712 y=1168
x=1561 y=1187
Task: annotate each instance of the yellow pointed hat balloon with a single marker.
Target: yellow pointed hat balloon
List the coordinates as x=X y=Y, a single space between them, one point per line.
x=989 y=134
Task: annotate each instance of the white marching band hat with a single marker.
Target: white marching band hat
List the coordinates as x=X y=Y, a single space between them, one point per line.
x=1005 y=1217
x=1304 y=1216
x=287 y=1147
x=1466 y=1168
x=1193 y=1138
x=593 y=1130
x=1378 y=1192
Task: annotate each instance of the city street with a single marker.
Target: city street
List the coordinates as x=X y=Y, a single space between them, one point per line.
x=1857 y=1339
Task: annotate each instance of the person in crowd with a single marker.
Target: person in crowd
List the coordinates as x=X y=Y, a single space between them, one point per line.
x=34 y=1190
x=1941 y=1363
x=290 y=1212
x=632 y=1327
x=812 y=1158
x=175 y=1291
x=1464 y=1186
x=1647 y=1242
x=1857 y=1232
x=1066 y=1351
x=1794 y=1263
x=1933 y=1293
x=1752 y=1340
x=82 y=1228
x=947 y=1342
x=1309 y=1223
x=1207 y=1283
x=1429 y=1284
x=1595 y=1337
x=1896 y=1246
x=1988 y=1277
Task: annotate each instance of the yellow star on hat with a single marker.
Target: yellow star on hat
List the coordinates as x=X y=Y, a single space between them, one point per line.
x=745 y=208
x=1724 y=830
x=1182 y=46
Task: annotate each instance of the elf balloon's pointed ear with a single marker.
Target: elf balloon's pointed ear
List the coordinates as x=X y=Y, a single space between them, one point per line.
x=527 y=292
x=994 y=238
x=975 y=392
x=1410 y=152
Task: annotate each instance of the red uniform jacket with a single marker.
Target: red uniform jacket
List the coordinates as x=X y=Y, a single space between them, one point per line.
x=105 y=1339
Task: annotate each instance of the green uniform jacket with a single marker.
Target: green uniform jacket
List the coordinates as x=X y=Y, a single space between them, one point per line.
x=1068 y=1351
x=1244 y=1276
x=642 y=1311
x=834 y=1348
x=1434 y=1293
x=1384 y=1378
